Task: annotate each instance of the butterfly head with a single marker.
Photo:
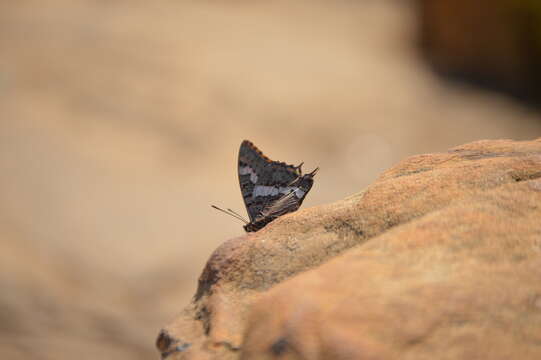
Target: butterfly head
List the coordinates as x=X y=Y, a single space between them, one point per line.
x=251 y=227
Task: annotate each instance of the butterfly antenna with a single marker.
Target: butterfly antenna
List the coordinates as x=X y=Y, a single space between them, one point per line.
x=231 y=213
x=240 y=216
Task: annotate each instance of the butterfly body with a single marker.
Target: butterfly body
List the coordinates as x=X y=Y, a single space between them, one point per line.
x=269 y=188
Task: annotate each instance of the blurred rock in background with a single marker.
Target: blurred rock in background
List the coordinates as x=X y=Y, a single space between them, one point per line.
x=120 y=123
x=494 y=43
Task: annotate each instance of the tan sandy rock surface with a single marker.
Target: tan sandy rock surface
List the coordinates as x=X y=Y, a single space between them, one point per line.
x=438 y=259
x=120 y=123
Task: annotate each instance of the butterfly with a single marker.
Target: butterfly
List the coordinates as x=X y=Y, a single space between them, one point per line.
x=269 y=188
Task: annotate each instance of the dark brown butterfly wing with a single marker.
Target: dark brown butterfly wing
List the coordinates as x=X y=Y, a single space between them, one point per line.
x=269 y=188
x=262 y=181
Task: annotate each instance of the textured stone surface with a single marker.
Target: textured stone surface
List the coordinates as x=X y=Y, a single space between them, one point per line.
x=439 y=258
x=120 y=124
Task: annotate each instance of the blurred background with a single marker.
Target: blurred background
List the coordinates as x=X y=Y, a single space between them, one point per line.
x=120 y=123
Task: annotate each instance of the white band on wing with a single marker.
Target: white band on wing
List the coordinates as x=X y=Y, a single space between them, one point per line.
x=245 y=170
x=265 y=190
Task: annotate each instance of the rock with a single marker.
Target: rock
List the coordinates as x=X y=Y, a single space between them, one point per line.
x=439 y=258
x=495 y=43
